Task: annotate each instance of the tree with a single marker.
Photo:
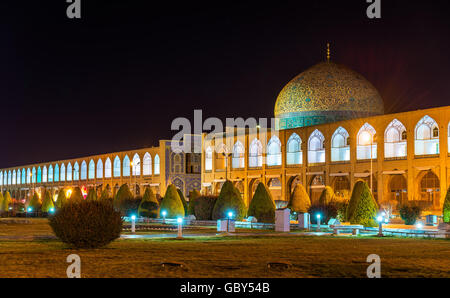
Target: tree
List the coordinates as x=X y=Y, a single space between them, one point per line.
x=1 y=201
x=356 y=194
x=262 y=205
x=193 y=195
x=106 y=193
x=92 y=195
x=326 y=196
x=77 y=195
x=172 y=203
x=229 y=200
x=6 y=202
x=35 y=202
x=366 y=208
x=61 y=199
x=47 y=202
x=300 y=201
x=123 y=194
x=204 y=206
x=149 y=206
x=183 y=200
x=446 y=207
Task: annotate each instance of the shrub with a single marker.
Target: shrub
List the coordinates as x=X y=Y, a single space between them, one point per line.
x=365 y=209
x=61 y=199
x=262 y=205
x=341 y=207
x=326 y=211
x=172 y=203
x=77 y=195
x=193 y=195
x=326 y=196
x=1 y=201
x=183 y=200
x=47 y=202
x=6 y=202
x=149 y=206
x=409 y=213
x=35 y=202
x=92 y=195
x=229 y=200
x=300 y=201
x=446 y=207
x=356 y=194
x=204 y=206
x=87 y=224
x=122 y=194
x=106 y=194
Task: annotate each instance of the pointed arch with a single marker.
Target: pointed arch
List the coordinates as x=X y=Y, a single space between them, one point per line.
x=274 y=152
x=116 y=170
x=1 y=178
x=63 y=173
x=108 y=168
x=238 y=157
x=126 y=166
x=426 y=136
x=44 y=174
x=14 y=177
x=69 y=172
x=316 y=150
x=5 y=178
x=366 y=142
x=208 y=158
x=91 y=169
x=255 y=154
x=50 y=173
x=24 y=177
x=157 y=164
x=39 y=175
x=33 y=175
x=147 y=164
x=100 y=168
x=28 y=176
x=56 y=174
x=340 y=149
x=83 y=171
x=76 y=171
x=294 y=155
x=136 y=167
x=395 y=140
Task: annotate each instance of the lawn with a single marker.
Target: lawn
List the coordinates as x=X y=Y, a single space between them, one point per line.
x=28 y=250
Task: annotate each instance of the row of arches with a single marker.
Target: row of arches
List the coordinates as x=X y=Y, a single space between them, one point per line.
x=395 y=145
x=84 y=171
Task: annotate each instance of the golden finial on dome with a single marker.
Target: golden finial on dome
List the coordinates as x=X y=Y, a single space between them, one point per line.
x=328 y=52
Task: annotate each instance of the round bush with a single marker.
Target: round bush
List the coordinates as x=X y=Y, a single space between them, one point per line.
x=149 y=206
x=87 y=224
x=229 y=200
x=172 y=203
x=409 y=213
x=262 y=205
x=300 y=201
x=203 y=207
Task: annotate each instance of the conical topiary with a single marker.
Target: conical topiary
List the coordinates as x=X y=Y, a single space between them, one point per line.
x=326 y=196
x=183 y=200
x=300 y=201
x=149 y=206
x=193 y=195
x=262 y=205
x=446 y=207
x=1 y=201
x=92 y=195
x=123 y=194
x=356 y=194
x=366 y=209
x=106 y=194
x=76 y=196
x=6 y=202
x=47 y=202
x=61 y=199
x=35 y=202
x=172 y=203
x=229 y=200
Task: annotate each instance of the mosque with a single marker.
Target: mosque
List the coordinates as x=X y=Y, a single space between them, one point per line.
x=331 y=130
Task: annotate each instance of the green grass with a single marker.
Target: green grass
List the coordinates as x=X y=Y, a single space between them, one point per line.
x=219 y=256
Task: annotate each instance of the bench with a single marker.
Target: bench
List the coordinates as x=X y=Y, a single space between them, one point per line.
x=355 y=229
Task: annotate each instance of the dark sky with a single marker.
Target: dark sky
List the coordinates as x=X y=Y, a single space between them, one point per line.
x=116 y=79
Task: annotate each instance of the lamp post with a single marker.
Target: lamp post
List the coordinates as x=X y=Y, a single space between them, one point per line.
x=226 y=155
x=230 y=215
x=133 y=223
x=164 y=213
x=318 y=222
x=180 y=229
x=380 y=226
x=134 y=174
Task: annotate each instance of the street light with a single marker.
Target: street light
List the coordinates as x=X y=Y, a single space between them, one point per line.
x=380 y=226
x=133 y=223
x=226 y=155
x=180 y=230
x=164 y=213
x=318 y=222
x=367 y=139
x=230 y=215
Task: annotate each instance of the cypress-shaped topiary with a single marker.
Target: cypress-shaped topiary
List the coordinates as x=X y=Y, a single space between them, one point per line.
x=171 y=203
x=356 y=194
x=446 y=207
x=262 y=205
x=366 y=209
x=123 y=194
x=6 y=202
x=183 y=200
x=300 y=201
x=193 y=195
x=204 y=206
x=229 y=200
x=106 y=194
x=326 y=196
x=1 y=201
x=92 y=195
x=77 y=195
x=35 y=202
x=149 y=206
x=47 y=202
x=61 y=199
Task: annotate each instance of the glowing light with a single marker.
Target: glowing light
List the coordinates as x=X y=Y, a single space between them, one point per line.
x=419 y=225
x=230 y=214
x=29 y=209
x=68 y=193
x=133 y=217
x=366 y=138
x=164 y=213
x=380 y=218
x=179 y=220
x=52 y=210
x=318 y=216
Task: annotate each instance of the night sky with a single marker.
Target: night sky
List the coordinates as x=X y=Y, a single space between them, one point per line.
x=116 y=79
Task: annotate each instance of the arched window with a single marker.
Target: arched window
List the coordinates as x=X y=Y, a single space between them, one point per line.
x=274 y=152
x=116 y=170
x=83 y=170
x=208 y=159
x=294 y=154
x=44 y=174
x=39 y=175
x=50 y=173
x=69 y=172
x=14 y=177
x=316 y=150
x=33 y=176
x=9 y=178
x=24 y=177
x=5 y=178
x=126 y=166
x=28 y=176
x=238 y=158
x=136 y=167
x=395 y=140
x=255 y=154
x=366 y=142
x=100 y=168
x=18 y=176
x=108 y=168
x=156 y=164
x=426 y=137
x=76 y=171
x=147 y=164
x=91 y=172
x=340 y=149
x=56 y=175
x=1 y=178
x=63 y=173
